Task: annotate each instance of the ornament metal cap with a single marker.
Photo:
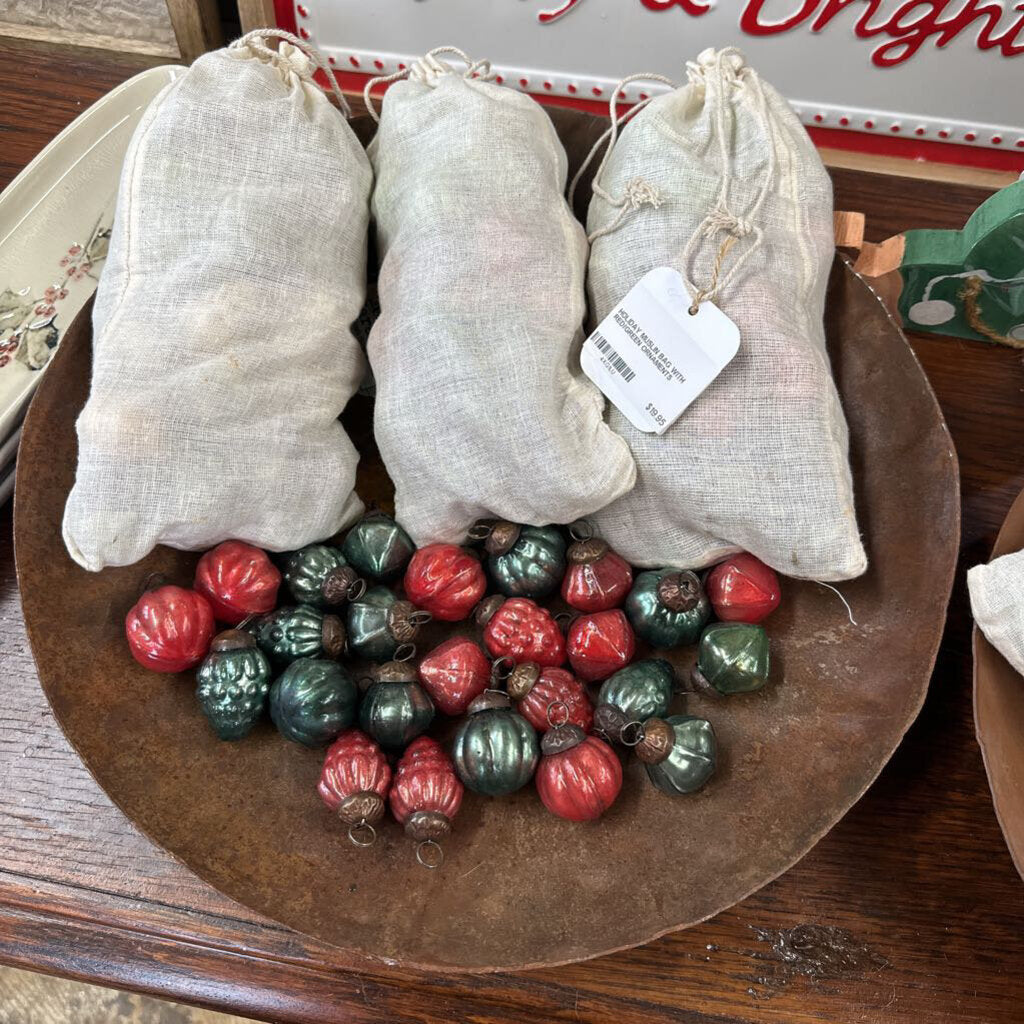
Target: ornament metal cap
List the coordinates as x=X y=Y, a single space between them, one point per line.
x=365 y=807
x=502 y=538
x=489 y=700
x=404 y=621
x=343 y=584
x=609 y=721
x=522 y=680
x=486 y=609
x=232 y=640
x=395 y=672
x=423 y=825
x=657 y=738
x=333 y=636
x=679 y=591
x=586 y=552
x=699 y=683
x=561 y=738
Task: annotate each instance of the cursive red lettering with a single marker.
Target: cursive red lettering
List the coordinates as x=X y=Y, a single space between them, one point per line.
x=690 y=6
x=863 y=29
x=750 y=19
x=546 y=16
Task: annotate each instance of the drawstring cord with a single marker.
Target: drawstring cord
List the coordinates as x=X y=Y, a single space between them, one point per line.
x=254 y=41
x=637 y=192
x=426 y=69
x=721 y=218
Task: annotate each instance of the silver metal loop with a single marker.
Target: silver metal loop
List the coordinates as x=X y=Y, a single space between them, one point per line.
x=362 y=833
x=404 y=652
x=502 y=668
x=565 y=710
x=581 y=530
x=434 y=859
x=631 y=734
x=356 y=589
x=420 y=617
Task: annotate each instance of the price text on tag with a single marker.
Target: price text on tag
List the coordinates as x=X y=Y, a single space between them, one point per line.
x=651 y=358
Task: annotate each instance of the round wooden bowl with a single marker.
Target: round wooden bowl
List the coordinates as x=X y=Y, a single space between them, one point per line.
x=520 y=888
x=999 y=711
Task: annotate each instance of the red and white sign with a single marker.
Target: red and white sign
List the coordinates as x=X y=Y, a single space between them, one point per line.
x=935 y=78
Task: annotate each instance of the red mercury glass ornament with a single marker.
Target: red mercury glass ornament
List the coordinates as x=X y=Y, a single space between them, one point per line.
x=354 y=784
x=743 y=589
x=519 y=629
x=579 y=776
x=597 y=579
x=238 y=580
x=445 y=580
x=455 y=672
x=600 y=644
x=425 y=797
x=537 y=690
x=169 y=629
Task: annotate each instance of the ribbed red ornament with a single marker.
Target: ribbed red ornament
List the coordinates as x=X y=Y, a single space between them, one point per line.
x=743 y=589
x=425 y=782
x=523 y=631
x=169 y=629
x=600 y=644
x=599 y=585
x=557 y=686
x=238 y=580
x=354 y=764
x=455 y=672
x=445 y=580
x=580 y=783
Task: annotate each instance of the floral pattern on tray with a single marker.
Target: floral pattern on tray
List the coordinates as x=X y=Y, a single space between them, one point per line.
x=29 y=331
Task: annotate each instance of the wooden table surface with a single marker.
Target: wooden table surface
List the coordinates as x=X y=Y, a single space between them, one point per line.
x=909 y=910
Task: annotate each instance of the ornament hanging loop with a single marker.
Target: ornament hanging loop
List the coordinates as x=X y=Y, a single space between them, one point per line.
x=420 y=617
x=356 y=589
x=631 y=734
x=481 y=529
x=362 y=834
x=430 y=854
x=502 y=669
x=560 y=710
x=404 y=652
x=581 y=530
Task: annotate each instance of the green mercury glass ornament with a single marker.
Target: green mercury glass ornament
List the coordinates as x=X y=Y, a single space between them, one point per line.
x=634 y=693
x=318 y=575
x=300 y=632
x=679 y=752
x=524 y=561
x=395 y=708
x=232 y=684
x=378 y=547
x=379 y=624
x=668 y=607
x=495 y=749
x=732 y=658
x=313 y=701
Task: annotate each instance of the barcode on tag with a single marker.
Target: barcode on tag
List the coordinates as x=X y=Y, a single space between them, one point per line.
x=652 y=357
x=611 y=357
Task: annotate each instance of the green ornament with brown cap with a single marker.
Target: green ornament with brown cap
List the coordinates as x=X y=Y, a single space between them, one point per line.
x=319 y=575
x=380 y=623
x=668 y=607
x=232 y=684
x=524 y=561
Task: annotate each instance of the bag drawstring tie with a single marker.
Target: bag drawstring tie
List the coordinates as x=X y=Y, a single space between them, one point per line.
x=255 y=42
x=638 y=192
x=427 y=70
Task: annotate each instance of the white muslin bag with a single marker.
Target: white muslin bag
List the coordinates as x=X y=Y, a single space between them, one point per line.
x=222 y=354
x=481 y=408
x=997 y=601
x=719 y=180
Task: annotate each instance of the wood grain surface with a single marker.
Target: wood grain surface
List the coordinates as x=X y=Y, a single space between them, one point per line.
x=909 y=911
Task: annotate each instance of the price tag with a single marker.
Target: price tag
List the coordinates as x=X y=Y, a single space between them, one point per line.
x=651 y=357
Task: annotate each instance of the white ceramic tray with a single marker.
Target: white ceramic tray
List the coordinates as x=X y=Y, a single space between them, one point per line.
x=55 y=220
